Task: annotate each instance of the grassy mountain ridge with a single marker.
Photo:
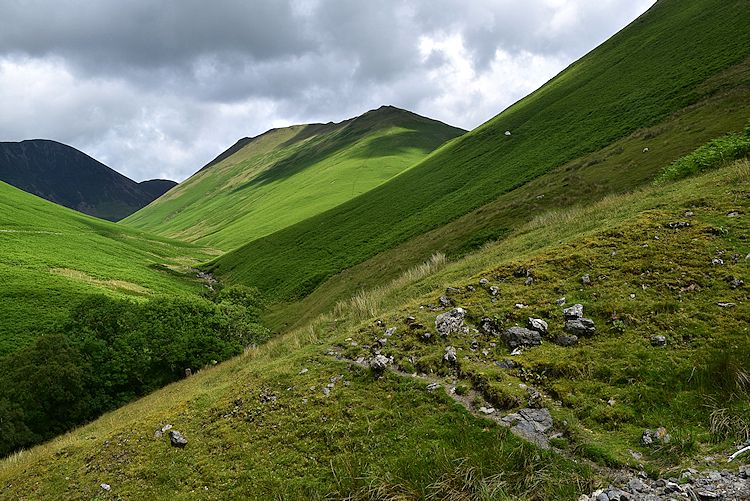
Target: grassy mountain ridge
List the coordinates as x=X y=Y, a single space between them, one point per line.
x=266 y=183
x=368 y=437
x=651 y=69
x=52 y=257
x=68 y=177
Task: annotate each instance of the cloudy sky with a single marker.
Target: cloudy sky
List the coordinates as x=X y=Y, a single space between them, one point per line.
x=157 y=89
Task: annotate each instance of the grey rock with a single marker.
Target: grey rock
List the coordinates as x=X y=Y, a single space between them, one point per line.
x=105 y=487
x=580 y=326
x=677 y=225
x=444 y=301
x=567 y=340
x=586 y=279
x=537 y=324
x=471 y=288
x=653 y=437
x=433 y=386
x=379 y=363
x=452 y=290
x=636 y=485
x=658 y=341
x=560 y=301
x=736 y=283
x=177 y=439
x=426 y=336
x=450 y=322
x=390 y=332
x=734 y=213
x=494 y=290
x=726 y=305
x=575 y=311
x=602 y=497
x=529 y=281
x=531 y=424
x=483 y=281
x=506 y=363
x=519 y=336
x=450 y=355
x=489 y=326
x=717 y=261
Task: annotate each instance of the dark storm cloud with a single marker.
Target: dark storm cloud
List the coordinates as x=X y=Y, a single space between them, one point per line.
x=158 y=88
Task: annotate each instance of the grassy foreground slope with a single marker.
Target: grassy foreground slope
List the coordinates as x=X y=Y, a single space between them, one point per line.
x=653 y=68
x=52 y=257
x=286 y=175
x=261 y=425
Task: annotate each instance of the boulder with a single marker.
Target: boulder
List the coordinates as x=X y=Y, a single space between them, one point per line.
x=580 y=326
x=450 y=355
x=537 y=324
x=575 y=311
x=519 y=336
x=379 y=363
x=450 y=322
x=658 y=341
x=177 y=439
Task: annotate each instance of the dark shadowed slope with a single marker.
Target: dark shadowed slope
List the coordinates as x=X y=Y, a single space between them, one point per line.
x=66 y=176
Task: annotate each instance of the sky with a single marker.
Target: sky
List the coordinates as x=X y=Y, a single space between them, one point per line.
x=158 y=89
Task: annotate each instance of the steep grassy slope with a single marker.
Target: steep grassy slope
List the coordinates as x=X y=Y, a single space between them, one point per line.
x=653 y=68
x=617 y=168
x=279 y=178
x=52 y=257
x=68 y=177
x=261 y=425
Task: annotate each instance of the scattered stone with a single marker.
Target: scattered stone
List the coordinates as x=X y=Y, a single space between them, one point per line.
x=326 y=391
x=735 y=282
x=450 y=322
x=444 y=301
x=652 y=437
x=409 y=320
x=689 y=213
x=450 y=355
x=717 y=261
x=586 y=279
x=452 y=290
x=266 y=396
x=379 y=323
x=188 y=372
x=520 y=306
x=105 y=487
x=531 y=424
x=580 y=327
x=433 y=386
x=494 y=290
x=658 y=341
x=390 y=332
x=535 y=398
x=483 y=281
x=611 y=402
x=678 y=225
x=567 y=340
x=539 y=325
x=379 y=363
x=632 y=295
x=382 y=342
x=487 y=410
x=575 y=311
x=505 y=363
x=636 y=485
x=734 y=213
x=519 y=336
x=489 y=326
x=560 y=301
x=177 y=439
x=726 y=305
x=426 y=336
x=471 y=288
x=521 y=272
x=529 y=281
x=516 y=352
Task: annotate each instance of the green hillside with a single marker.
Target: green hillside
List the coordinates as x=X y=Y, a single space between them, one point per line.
x=301 y=418
x=284 y=176
x=51 y=258
x=662 y=64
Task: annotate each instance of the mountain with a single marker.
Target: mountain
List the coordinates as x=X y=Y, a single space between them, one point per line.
x=618 y=92
x=265 y=183
x=68 y=177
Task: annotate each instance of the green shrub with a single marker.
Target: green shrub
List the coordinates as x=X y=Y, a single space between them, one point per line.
x=711 y=155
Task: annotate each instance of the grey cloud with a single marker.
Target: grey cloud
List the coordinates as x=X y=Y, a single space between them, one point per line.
x=159 y=88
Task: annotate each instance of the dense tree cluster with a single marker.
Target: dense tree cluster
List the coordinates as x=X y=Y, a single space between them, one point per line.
x=111 y=351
